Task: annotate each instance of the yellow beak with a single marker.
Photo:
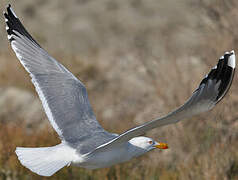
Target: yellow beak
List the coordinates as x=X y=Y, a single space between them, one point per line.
x=161 y=146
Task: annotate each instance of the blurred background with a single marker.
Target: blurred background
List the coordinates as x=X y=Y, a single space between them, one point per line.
x=139 y=59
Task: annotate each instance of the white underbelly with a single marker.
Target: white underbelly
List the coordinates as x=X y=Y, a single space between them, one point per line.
x=105 y=159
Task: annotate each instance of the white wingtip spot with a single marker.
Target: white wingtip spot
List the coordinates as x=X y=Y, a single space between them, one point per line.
x=7 y=28
x=232 y=61
x=9 y=37
x=214 y=67
x=6 y=20
x=222 y=57
x=13 y=12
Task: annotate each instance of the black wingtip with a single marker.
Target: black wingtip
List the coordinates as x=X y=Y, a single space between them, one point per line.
x=227 y=74
x=9 y=16
x=14 y=26
x=8 y=6
x=11 y=12
x=222 y=73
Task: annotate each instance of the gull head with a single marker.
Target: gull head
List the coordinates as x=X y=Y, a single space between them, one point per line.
x=147 y=144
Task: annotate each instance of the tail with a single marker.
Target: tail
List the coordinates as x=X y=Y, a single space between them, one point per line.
x=47 y=160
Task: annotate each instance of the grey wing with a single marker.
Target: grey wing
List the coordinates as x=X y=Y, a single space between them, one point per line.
x=63 y=96
x=210 y=91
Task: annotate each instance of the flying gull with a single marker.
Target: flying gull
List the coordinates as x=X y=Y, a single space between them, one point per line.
x=84 y=142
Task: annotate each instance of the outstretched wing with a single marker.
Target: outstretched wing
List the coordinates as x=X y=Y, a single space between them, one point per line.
x=210 y=91
x=63 y=96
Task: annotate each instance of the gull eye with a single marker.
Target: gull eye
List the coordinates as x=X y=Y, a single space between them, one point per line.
x=150 y=142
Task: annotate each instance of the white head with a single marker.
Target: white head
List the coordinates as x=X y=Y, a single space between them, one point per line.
x=144 y=144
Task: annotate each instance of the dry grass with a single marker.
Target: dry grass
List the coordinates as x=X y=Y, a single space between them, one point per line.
x=139 y=60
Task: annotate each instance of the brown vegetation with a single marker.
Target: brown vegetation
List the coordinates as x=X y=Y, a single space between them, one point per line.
x=139 y=60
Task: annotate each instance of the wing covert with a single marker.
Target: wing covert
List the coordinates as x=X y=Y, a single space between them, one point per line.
x=63 y=96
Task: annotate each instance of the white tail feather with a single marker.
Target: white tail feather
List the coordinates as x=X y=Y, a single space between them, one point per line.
x=47 y=160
